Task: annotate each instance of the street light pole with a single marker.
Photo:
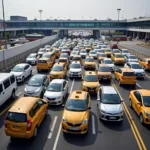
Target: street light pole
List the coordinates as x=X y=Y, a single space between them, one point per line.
x=118 y=15
x=40 y=11
x=4 y=24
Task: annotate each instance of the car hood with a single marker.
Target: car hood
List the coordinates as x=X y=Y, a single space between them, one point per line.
x=16 y=73
x=133 y=60
x=30 y=59
x=110 y=65
x=83 y=54
x=104 y=73
x=92 y=54
x=89 y=63
x=32 y=88
x=75 y=70
x=111 y=108
x=51 y=94
x=138 y=70
x=56 y=72
x=40 y=52
x=90 y=84
x=75 y=117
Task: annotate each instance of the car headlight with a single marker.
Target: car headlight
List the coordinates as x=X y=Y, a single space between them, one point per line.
x=45 y=97
x=146 y=113
x=58 y=98
x=64 y=120
x=103 y=112
x=80 y=72
x=85 y=122
x=19 y=75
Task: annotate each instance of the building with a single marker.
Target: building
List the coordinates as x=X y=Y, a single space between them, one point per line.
x=18 y=18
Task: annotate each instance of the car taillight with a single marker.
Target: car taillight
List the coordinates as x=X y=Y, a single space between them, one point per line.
x=122 y=77
x=29 y=125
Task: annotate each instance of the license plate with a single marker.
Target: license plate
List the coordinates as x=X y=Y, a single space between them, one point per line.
x=105 y=78
x=15 y=126
x=74 y=129
x=112 y=118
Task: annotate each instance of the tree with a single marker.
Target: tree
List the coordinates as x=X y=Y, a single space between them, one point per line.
x=7 y=36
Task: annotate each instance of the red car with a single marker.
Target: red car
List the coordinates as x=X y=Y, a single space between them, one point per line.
x=114 y=46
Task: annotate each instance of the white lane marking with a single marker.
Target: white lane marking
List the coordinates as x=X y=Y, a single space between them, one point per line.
x=71 y=86
x=93 y=125
x=52 y=127
x=19 y=94
x=138 y=85
x=57 y=138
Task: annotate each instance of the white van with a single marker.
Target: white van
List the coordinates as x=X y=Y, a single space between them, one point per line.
x=8 y=87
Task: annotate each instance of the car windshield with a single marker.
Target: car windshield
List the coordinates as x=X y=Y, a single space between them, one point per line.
x=110 y=99
x=91 y=78
x=42 y=50
x=64 y=55
x=54 y=87
x=46 y=56
x=83 y=52
x=76 y=58
x=119 y=56
x=75 y=66
x=125 y=51
x=146 y=101
x=31 y=56
x=57 y=68
x=93 y=52
x=62 y=60
x=89 y=60
x=136 y=66
x=74 y=53
x=108 y=62
x=102 y=55
x=108 y=50
x=35 y=82
x=128 y=74
x=18 y=69
x=132 y=57
x=116 y=51
x=76 y=105
x=104 y=69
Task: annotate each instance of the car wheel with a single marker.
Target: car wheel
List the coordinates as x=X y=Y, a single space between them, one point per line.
x=13 y=95
x=22 y=79
x=130 y=103
x=31 y=73
x=38 y=71
x=141 y=119
x=41 y=95
x=35 y=132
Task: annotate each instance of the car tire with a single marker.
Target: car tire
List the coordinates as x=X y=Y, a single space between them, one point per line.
x=141 y=119
x=30 y=73
x=130 y=103
x=38 y=71
x=41 y=95
x=22 y=79
x=13 y=95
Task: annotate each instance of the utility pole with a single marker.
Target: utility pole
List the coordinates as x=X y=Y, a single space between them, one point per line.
x=118 y=15
x=40 y=11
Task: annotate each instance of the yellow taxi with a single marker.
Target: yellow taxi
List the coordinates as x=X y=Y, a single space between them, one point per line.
x=25 y=116
x=108 y=52
x=56 y=51
x=64 y=60
x=101 y=56
x=90 y=82
x=59 y=71
x=139 y=100
x=89 y=63
x=76 y=114
x=77 y=58
x=125 y=76
x=88 y=48
x=104 y=72
x=145 y=63
x=118 y=59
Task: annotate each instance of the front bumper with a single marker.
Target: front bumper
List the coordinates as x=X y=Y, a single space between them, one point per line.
x=89 y=67
x=19 y=79
x=56 y=77
x=82 y=129
x=74 y=75
x=104 y=77
x=139 y=75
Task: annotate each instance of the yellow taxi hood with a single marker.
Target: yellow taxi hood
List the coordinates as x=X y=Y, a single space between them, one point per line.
x=56 y=72
x=104 y=73
x=74 y=116
x=89 y=63
x=120 y=59
x=91 y=84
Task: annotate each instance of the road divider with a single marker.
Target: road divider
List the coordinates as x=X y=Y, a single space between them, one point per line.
x=93 y=125
x=134 y=129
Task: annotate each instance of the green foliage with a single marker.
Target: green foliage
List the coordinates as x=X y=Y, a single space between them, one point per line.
x=7 y=36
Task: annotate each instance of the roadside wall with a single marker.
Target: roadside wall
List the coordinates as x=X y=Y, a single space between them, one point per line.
x=18 y=54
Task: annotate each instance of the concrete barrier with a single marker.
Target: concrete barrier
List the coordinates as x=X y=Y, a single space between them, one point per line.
x=18 y=54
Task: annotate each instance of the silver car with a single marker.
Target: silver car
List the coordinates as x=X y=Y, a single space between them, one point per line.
x=109 y=104
x=32 y=58
x=56 y=91
x=36 y=86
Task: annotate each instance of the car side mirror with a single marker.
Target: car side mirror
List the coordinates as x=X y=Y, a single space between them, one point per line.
x=122 y=100
x=89 y=107
x=98 y=99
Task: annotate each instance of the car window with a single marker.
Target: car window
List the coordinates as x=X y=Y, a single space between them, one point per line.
x=64 y=84
x=12 y=79
x=34 y=110
x=6 y=83
x=26 y=67
x=40 y=103
x=129 y=74
x=138 y=96
x=1 y=88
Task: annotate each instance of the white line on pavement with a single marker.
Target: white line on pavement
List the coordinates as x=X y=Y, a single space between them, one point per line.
x=138 y=85
x=52 y=127
x=93 y=125
x=19 y=94
x=57 y=138
x=71 y=86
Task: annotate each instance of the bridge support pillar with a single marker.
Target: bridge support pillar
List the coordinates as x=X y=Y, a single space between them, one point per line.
x=63 y=33
x=96 y=33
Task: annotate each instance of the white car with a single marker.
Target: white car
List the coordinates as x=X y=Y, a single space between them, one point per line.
x=83 y=53
x=75 y=70
x=47 y=46
x=131 y=58
x=109 y=62
x=56 y=92
x=109 y=105
x=22 y=71
x=73 y=53
x=125 y=52
x=76 y=50
x=136 y=67
x=41 y=51
x=93 y=54
x=32 y=58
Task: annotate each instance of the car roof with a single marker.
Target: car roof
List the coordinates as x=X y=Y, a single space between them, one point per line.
x=22 y=64
x=57 y=81
x=63 y=58
x=104 y=65
x=38 y=76
x=75 y=62
x=106 y=58
x=58 y=64
x=90 y=73
x=44 y=59
x=23 y=104
x=3 y=76
x=108 y=90
x=144 y=92
x=78 y=95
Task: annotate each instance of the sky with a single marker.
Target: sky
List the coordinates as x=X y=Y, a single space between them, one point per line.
x=76 y=9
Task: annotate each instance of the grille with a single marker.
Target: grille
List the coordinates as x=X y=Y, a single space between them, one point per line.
x=108 y=117
x=51 y=99
x=77 y=131
x=74 y=125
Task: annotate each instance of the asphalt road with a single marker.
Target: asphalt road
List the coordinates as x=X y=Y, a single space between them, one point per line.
x=129 y=135
x=133 y=46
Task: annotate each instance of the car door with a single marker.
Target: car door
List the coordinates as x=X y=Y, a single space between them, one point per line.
x=117 y=74
x=7 y=89
x=26 y=71
x=2 y=94
x=88 y=104
x=45 y=83
x=65 y=88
